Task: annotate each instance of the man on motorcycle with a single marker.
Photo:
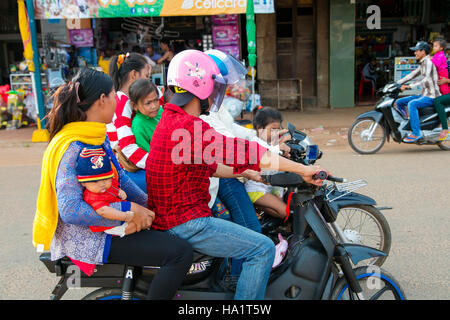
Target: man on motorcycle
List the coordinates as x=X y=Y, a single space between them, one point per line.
x=178 y=178
x=430 y=89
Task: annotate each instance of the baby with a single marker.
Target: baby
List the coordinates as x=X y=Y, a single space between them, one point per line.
x=95 y=173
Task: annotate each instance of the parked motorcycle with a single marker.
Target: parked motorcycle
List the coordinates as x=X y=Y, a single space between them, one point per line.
x=358 y=221
x=316 y=266
x=370 y=130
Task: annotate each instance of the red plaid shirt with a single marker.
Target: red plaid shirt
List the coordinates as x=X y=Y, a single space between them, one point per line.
x=184 y=153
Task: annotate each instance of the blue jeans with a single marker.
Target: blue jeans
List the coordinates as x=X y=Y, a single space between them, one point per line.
x=138 y=177
x=233 y=195
x=221 y=238
x=415 y=103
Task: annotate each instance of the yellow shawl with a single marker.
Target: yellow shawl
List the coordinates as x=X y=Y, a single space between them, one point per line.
x=46 y=217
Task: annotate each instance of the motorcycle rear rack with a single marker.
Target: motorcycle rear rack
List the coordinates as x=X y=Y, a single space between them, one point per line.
x=346 y=188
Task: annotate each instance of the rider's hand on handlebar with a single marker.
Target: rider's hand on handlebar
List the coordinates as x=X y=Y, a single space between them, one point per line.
x=308 y=173
x=285 y=149
x=404 y=87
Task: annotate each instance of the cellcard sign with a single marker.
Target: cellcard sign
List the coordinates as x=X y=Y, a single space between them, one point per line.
x=79 y=9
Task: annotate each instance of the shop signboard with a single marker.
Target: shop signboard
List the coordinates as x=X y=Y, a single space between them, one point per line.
x=264 y=6
x=404 y=66
x=78 y=9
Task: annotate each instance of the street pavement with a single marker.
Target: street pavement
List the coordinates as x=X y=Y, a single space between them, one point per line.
x=413 y=180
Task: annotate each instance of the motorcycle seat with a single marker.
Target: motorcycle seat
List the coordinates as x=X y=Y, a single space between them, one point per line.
x=427 y=111
x=57 y=266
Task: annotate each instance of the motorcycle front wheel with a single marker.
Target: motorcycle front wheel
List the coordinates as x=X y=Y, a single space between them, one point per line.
x=366 y=136
x=376 y=283
x=365 y=225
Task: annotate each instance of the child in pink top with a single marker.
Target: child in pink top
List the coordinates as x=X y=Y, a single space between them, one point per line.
x=440 y=61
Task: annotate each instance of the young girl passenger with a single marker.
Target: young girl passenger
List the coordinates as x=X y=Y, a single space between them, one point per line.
x=124 y=69
x=267 y=123
x=145 y=102
x=440 y=61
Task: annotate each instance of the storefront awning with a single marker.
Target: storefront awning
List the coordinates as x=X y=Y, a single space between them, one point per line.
x=74 y=9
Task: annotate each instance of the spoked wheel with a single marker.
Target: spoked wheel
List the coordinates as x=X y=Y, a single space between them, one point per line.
x=366 y=136
x=111 y=294
x=376 y=283
x=366 y=225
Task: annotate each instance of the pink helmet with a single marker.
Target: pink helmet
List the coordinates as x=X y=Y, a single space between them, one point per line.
x=195 y=72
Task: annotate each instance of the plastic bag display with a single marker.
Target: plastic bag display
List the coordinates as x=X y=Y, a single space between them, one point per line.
x=30 y=106
x=233 y=105
x=14 y=108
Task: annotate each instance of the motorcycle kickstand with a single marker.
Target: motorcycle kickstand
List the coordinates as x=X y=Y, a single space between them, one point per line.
x=60 y=289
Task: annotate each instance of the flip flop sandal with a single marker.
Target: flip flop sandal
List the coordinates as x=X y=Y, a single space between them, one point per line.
x=444 y=137
x=410 y=139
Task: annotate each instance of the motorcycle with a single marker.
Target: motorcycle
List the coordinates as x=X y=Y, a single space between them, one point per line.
x=358 y=221
x=370 y=130
x=316 y=266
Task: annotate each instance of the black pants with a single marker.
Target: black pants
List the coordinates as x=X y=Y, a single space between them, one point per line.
x=155 y=248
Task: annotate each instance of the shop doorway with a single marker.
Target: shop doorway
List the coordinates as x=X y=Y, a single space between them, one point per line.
x=296 y=49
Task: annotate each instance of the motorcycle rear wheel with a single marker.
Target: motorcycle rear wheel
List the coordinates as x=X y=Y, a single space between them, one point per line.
x=360 y=139
x=111 y=294
x=375 y=234
x=377 y=284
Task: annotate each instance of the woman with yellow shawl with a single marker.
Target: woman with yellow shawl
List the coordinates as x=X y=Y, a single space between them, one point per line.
x=81 y=110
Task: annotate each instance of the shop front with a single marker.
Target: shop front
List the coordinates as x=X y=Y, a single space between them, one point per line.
x=293 y=54
x=383 y=55
x=79 y=33
x=312 y=53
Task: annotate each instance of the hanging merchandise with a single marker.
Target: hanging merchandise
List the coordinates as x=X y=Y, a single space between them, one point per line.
x=225 y=34
x=232 y=50
x=207 y=42
x=30 y=107
x=223 y=19
x=81 y=37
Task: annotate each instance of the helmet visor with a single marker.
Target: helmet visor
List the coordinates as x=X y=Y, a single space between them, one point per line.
x=232 y=69
x=218 y=93
x=236 y=70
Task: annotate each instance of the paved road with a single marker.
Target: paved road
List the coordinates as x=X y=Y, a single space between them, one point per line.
x=414 y=180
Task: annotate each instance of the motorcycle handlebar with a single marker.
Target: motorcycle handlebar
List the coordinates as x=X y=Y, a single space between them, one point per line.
x=322 y=175
x=318 y=175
